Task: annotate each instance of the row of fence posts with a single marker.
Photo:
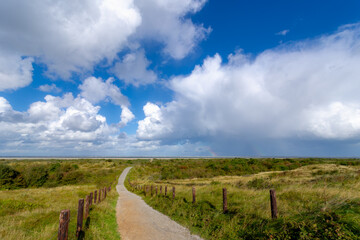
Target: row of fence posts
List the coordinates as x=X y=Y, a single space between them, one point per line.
x=145 y=189
x=92 y=198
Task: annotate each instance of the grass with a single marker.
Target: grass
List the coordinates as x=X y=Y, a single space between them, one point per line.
x=53 y=173
x=30 y=212
x=318 y=199
x=103 y=223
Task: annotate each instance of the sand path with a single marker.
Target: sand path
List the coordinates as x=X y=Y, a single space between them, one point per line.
x=138 y=221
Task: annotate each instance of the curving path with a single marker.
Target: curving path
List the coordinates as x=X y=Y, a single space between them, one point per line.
x=138 y=221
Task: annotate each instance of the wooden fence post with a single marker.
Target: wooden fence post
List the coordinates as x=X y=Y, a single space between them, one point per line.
x=95 y=196
x=193 y=195
x=151 y=191
x=80 y=216
x=64 y=220
x=156 y=190
x=91 y=198
x=165 y=190
x=173 y=193
x=273 y=204
x=104 y=193
x=99 y=196
x=87 y=203
x=225 y=200
x=160 y=190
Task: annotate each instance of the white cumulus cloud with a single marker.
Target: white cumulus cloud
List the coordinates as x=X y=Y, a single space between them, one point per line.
x=97 y=89
x=56 y=123
x=166 y=22
x=126 y=116
x=15 y=72
x=133 y=69
x=305 y=90
x=72 y=37
x=67 y=36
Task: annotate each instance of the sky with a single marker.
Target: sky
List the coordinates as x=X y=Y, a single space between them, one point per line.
x=178 y=78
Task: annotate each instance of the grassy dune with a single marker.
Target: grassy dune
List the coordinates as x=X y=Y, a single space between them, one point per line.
x=30 y=212
x=317 y=199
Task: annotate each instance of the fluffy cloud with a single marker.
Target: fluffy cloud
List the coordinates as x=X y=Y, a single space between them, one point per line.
x=154 y=124
x=96 y=90
x=133 y=69
x=74 y=36
x=68 y=37
x=336 y=121
x=15 y=72
x=166 y=22
x=307 y=90
x=126 y=116
x=50 y=88
x=57 y=122
x=4 y=105
x=67 y=125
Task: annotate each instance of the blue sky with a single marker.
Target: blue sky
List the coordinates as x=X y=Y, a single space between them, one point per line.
x=179 y=78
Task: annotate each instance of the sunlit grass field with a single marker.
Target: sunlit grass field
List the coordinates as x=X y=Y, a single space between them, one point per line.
x=317 y=199
x=30 y=211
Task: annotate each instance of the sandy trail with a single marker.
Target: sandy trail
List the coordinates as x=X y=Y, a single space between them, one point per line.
x=138 y=221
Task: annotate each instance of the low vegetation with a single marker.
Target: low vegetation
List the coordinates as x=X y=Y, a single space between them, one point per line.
x=41 y=173
x=34 y=192
x=317 y=198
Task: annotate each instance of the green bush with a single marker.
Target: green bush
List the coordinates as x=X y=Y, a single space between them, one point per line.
x=36 y=175
x=10 y=178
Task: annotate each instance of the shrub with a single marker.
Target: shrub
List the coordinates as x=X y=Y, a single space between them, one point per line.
x=36 y=176
x=10 y=178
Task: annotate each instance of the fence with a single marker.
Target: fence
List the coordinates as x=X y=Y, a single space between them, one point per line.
x=82 y=213
x=145 y=190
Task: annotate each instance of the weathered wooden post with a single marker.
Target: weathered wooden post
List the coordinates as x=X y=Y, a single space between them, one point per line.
x=156 y=190
x=151 y=190
x=165 y=190
x=273 y=204
x=193 y=195
x=173 y=193
x=80 y=216
x=160 y=190
x=91 y=198
x=95 y=196
x=64 y=220
x=225 y=200
x=104 y=192
x=87 y=205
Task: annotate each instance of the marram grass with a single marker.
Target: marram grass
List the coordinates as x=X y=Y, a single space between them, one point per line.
x=33 y=213
x=316 y=201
